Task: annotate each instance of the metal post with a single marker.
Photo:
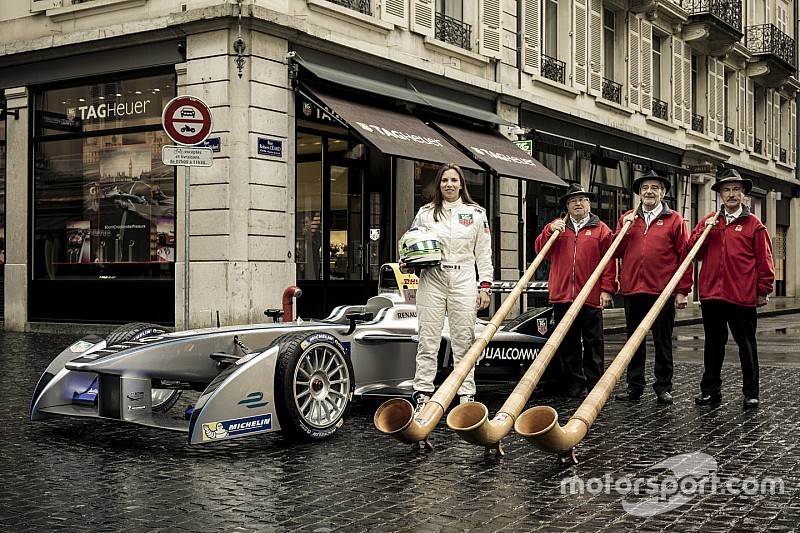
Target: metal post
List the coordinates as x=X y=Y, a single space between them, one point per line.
x=186 y=250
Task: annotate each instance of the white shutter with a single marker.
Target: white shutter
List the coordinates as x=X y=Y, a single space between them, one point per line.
x=579 y=45
x=687 y=84
x=595 y=46
x=634 y=64
x=741 y=107
x=677 y=81
x=768 y=122
x=776 y=125
x=721 y=100
x=489 y=24
x=751 y=113
x=711 y=95
x=792 y=132
x=531 y=37
x=394 y=12
x=646 y=33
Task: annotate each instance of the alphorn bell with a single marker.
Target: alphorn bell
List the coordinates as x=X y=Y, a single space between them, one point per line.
x=471 y=420
x=539 y=425
x=396 y=417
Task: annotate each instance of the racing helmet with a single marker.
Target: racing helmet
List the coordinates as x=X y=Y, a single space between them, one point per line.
x=420 y=248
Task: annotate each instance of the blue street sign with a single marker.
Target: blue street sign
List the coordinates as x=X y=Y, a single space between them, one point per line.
x=271 y=147
x=211 y=142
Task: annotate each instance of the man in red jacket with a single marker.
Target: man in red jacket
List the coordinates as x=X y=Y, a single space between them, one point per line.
x=575 y=254
x=736 y=277
x=651 y=252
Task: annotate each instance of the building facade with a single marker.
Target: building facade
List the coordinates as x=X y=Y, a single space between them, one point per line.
x=330 y=118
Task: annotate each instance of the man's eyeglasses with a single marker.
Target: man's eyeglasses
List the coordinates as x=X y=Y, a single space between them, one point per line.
x=577 y=200
x=650 y=188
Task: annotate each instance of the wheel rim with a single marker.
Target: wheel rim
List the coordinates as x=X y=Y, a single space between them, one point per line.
x=321 y=385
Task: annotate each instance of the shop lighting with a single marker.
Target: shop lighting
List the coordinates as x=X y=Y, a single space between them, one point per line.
x=239 y=45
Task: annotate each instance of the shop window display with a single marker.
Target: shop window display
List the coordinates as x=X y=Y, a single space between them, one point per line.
x=103 y=200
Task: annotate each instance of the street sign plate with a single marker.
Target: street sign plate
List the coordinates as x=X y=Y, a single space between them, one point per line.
x=187 y=156
x=187 y=120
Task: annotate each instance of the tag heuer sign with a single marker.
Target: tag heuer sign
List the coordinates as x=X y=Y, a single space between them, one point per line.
x=374 y=234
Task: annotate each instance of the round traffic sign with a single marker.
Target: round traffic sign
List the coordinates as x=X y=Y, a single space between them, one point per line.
x=187 y=120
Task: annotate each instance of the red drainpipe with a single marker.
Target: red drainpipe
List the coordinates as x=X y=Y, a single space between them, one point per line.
x=291 y=292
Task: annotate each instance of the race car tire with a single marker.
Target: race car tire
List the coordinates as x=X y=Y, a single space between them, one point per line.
x=314 y=384
x=162 y=399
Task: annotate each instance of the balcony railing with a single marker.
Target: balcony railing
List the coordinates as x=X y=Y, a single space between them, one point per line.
x=782 y=155
x=453 y=31
x=768 y=39
x=660 y=109
x=612 y=91
x=727 y=11
x=698 y=123
x=728 y=135
x=758 y=145
x=553 y=69
x=362 y=6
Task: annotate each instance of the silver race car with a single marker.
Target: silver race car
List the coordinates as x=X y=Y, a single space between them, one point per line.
x=298 y=377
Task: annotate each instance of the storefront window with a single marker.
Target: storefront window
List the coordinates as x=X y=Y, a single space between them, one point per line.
x=104 y=203
x=2 y=206
x=308 y=216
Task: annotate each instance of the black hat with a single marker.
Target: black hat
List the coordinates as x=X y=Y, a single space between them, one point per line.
x=576 y=190
x=651 y=175
x=731 y=176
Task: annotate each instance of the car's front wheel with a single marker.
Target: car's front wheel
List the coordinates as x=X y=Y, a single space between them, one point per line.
x=313 y=385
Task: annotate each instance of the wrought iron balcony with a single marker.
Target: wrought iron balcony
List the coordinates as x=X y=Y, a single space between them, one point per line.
x=553 y=69
x=782 y=155
x=612 y=91
x=453 y=31
x=757 y=146
x=362 y=6
x=660 y=109
x=767 y=39
x=698 y=123
x=726 y=11
x=728 y=135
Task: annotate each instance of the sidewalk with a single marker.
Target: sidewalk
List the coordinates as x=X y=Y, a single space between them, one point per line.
x=614 y=319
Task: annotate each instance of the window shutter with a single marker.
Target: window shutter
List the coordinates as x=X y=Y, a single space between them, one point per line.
x=634 y=65
x=646 y=33
x=490 y=28
x=768 y=122
x=741 y=107
x=776 y=125
x=595 y=46
x=687 y=84
x=394 y=12
x=711 y=95
x=579 y=45
x=751 y=113
x=531 y=38
x=677 y=81
x=721 y=100
x=792 y=132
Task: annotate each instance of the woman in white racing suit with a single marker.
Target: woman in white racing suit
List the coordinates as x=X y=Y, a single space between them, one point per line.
x=452 y=288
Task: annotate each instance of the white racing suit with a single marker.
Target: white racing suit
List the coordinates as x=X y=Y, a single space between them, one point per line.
x=451 y=288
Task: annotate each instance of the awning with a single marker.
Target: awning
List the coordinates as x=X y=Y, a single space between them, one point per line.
x=410 y=95
x=543 y=137
x=502 y=155
x=652 y=164
x=395 y=133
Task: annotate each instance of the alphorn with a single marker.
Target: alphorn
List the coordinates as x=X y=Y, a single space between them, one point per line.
x=396 y=417
x=471 y=420
x=539 y=425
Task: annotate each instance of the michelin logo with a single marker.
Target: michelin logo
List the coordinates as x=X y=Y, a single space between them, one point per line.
x=237 y=427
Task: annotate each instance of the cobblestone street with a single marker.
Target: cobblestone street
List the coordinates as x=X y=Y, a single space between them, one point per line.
x=90 y=475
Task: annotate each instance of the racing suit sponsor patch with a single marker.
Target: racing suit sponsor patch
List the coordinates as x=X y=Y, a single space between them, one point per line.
x=236 y=427
x=450 y=267
x=465 y=219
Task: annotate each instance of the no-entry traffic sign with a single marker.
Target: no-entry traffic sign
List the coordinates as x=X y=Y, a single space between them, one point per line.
x=187 y=120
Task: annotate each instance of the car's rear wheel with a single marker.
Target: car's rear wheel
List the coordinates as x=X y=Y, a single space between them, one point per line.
x=162 y=399
x=313 y=385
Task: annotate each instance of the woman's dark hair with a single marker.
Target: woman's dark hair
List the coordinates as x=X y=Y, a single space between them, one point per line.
x=438 y=199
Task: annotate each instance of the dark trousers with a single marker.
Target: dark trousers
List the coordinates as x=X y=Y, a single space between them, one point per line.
x=581 y=351
x=636 y=307
x=717 y=318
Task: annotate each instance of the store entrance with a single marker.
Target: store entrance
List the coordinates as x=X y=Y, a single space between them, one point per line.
x=341 y=222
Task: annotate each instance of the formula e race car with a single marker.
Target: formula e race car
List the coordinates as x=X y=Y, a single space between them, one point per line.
x=299 y=377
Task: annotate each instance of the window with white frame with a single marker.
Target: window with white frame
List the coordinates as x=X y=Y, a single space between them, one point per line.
x=613 y=45
x=450 y=24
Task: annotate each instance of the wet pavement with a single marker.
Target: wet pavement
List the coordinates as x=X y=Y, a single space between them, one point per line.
x=718 y=469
